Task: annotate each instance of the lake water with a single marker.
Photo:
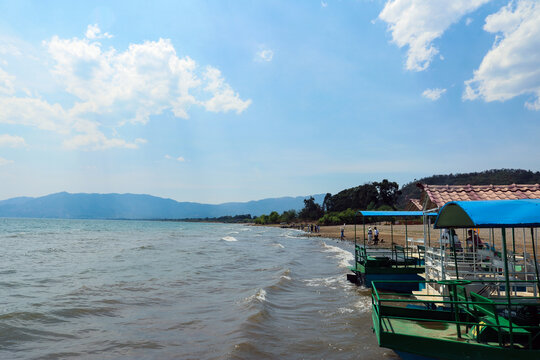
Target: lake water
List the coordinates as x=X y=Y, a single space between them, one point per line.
x=169 y=290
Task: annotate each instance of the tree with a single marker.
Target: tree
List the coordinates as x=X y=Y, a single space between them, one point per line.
x=388 y=192
x=328 y=204
x=273 y=218
x=288 y=216
x=311 y=210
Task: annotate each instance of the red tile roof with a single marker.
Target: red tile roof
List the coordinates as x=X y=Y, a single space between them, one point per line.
x=441 y=194
x=414 y=205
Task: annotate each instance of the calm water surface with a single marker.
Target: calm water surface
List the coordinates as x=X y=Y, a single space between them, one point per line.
x=168 y=290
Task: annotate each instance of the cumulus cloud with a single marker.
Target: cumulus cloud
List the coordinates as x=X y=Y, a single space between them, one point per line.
x=11 y=141
x=224 y=98
x=113 y=88
x=265 y=55
x=417 y=23
x=94 y=32
x=512 y=66
x=433 y=94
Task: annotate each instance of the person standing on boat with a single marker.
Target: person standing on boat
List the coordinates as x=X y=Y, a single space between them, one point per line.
x=450 y=237
x=376 y=236
x=473 y=240
x=369 y=235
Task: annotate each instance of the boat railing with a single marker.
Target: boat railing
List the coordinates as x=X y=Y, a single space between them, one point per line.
x=459 y=313
x=395 y=256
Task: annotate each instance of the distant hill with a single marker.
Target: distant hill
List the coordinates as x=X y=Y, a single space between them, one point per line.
x=488 y=177
x=132 y=206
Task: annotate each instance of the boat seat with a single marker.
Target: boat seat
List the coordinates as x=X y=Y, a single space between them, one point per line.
x=487 y=309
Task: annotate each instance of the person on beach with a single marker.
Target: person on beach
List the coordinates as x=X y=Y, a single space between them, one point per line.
x=369 y=235
x=376 y=236
x=342 y=232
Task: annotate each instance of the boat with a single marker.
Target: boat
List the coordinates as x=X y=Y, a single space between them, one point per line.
x=495 y=317
x=375 y=263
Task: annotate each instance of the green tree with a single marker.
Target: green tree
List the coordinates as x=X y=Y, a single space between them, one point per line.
x=288 y=216
x=388 y=192
x=311 y=210
x=273 y=218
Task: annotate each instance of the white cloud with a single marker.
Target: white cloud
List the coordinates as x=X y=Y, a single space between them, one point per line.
x=113 y=88
x=36 y=113
x=512 y=66
x=11 y=141
x=6 y=83
x=433 y=94
x=94 y=32
x=179 y=158
x=142 y=81
x=224 y=98
x=468 y=21
x=5 y=161
x=265 y=55
x=417 y=23
x=324 y=4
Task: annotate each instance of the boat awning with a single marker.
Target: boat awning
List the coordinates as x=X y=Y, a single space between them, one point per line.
x=489 y=214
x=401 y=214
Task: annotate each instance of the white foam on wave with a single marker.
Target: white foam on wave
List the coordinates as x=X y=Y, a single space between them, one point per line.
x=363 y=305
x=278 y=245
x=233 y=232
x=343 y=310
x=260 y=295
x=332 y=282
x=345 y=257
x=229 y=238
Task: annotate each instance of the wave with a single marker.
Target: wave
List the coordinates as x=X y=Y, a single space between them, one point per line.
x=145 y=247
x=29 y=316
x=229 y=238
x=278 y=245
x=363 y=305
x=258 y=297
x=332 y=282
x=345 y=257
x=78 y=312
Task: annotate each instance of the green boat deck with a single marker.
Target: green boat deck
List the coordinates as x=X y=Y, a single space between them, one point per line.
x=456 y=326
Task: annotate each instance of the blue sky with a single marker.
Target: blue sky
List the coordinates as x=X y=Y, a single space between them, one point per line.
x=216 y=101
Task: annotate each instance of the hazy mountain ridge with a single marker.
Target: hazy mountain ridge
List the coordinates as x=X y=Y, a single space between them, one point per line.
x=137 y=206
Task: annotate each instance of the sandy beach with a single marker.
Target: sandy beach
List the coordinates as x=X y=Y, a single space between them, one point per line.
x=416 y=233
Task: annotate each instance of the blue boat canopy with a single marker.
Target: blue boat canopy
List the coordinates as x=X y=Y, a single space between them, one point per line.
x=489 y=214
x=394 y=213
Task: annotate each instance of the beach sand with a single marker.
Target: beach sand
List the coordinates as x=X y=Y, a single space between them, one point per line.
x=416 y=232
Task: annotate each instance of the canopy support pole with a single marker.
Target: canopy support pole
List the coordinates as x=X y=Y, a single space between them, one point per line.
x=535 y=260
x=507 y=281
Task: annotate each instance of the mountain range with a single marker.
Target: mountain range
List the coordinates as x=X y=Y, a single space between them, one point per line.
x=64 y=205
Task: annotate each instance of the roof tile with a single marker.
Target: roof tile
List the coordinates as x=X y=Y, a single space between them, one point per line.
x=441 y=194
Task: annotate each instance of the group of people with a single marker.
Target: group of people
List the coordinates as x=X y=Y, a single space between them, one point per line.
x=312 y=228
x=373 y=236
x=473 y=240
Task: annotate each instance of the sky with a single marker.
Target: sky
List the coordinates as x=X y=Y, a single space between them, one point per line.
x=218 y=101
